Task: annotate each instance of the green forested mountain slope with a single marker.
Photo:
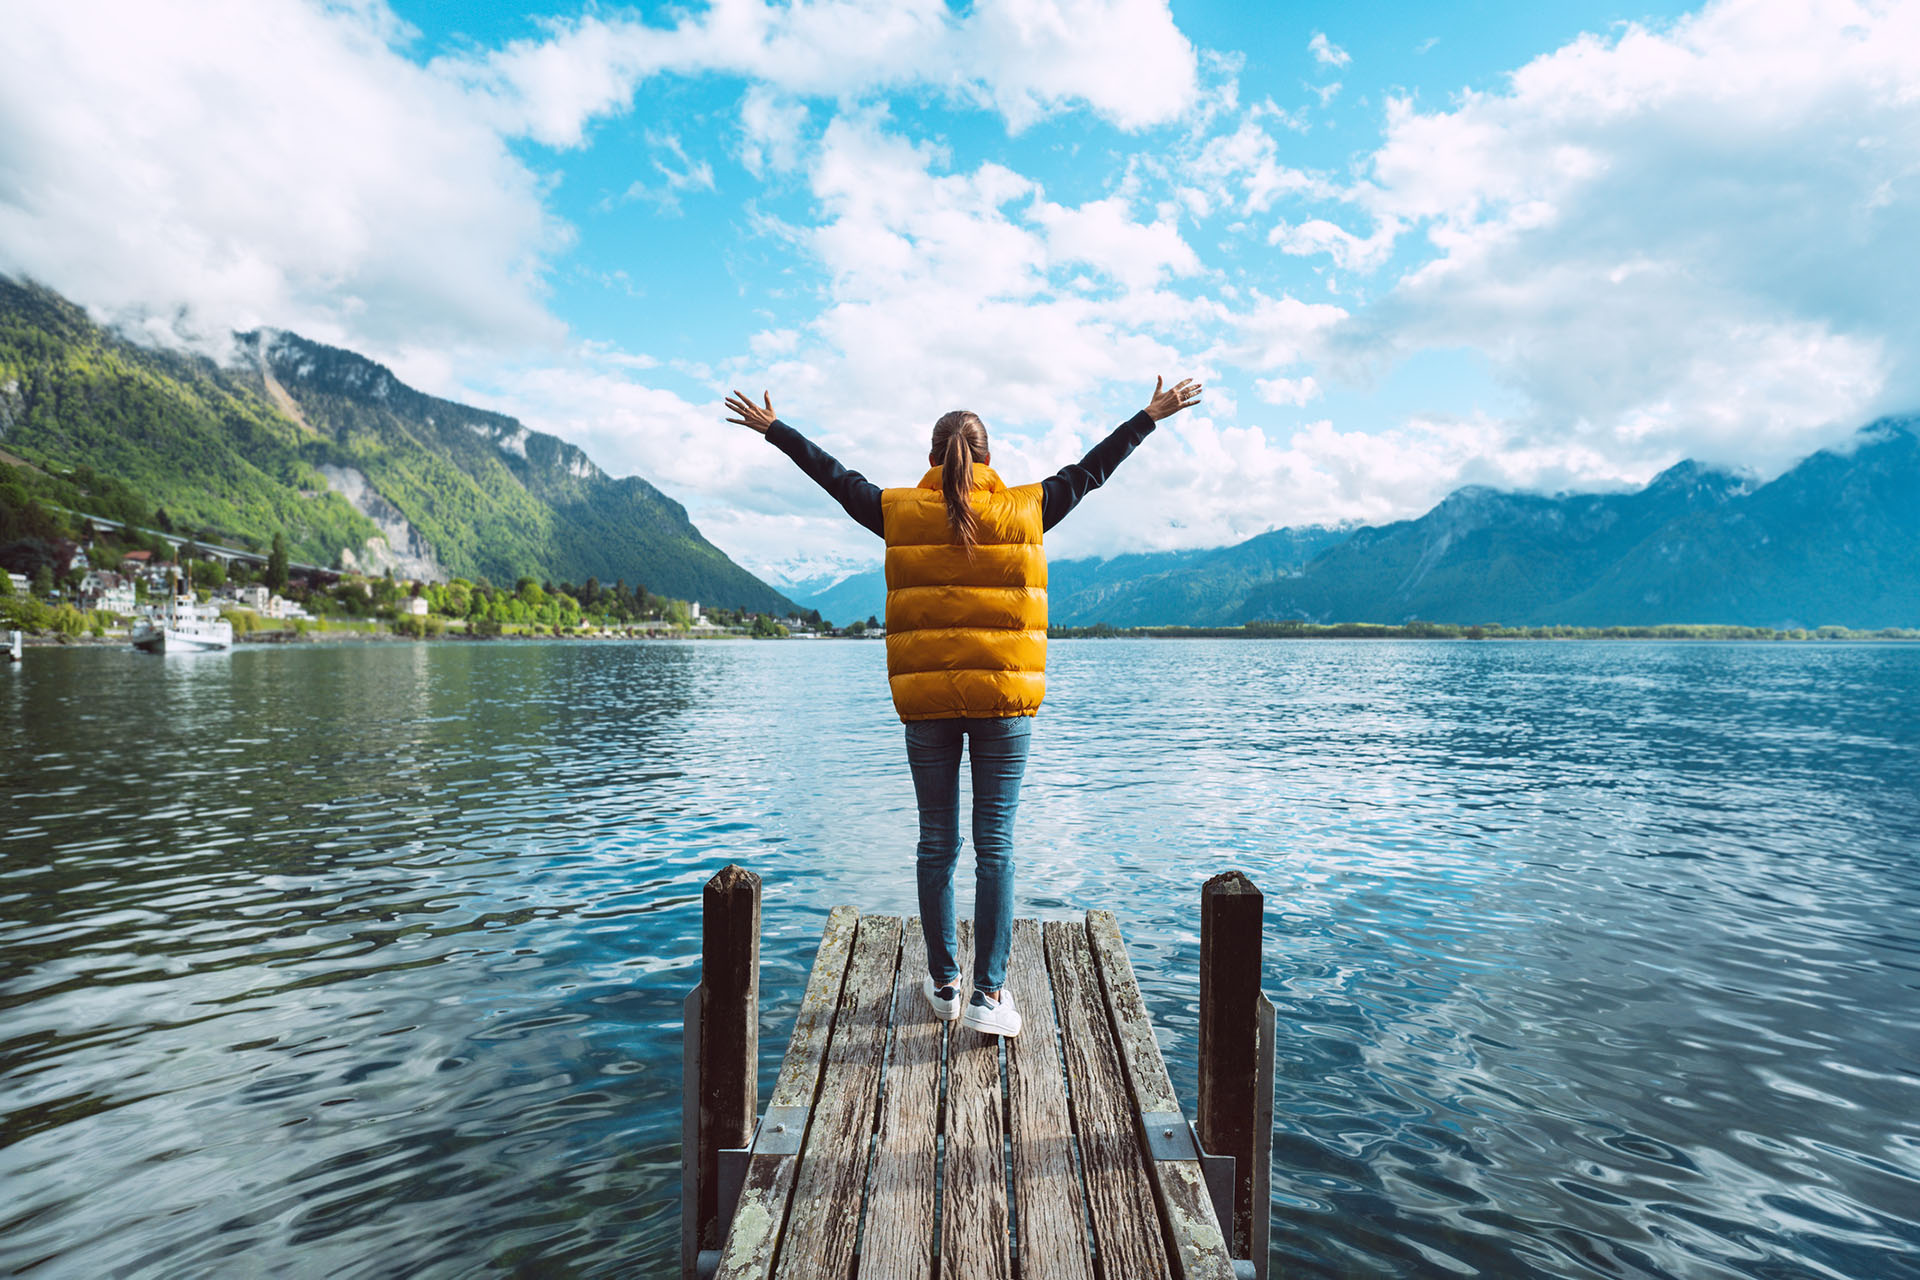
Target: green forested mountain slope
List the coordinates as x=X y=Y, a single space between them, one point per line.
x=173 y=427
x=273 y=440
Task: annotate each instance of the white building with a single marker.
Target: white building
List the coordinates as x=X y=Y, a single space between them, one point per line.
x=417 y=606
x=254 y=596
x=21 y=583
x=108 y=591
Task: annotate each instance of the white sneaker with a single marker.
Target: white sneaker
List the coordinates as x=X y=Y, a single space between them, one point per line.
x=945 y=1000
x=992 y=1017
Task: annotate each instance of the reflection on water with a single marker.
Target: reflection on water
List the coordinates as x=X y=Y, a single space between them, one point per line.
x=1591 y=959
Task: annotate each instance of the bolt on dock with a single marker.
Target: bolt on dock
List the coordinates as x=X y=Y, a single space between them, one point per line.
x=898 y=1145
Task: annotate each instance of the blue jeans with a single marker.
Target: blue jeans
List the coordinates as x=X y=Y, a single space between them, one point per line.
x=999 y=753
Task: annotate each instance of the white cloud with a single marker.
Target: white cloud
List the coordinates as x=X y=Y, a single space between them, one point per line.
x=1327 y=53
x=210 y=167
x=673 y=178
x=1287 y=391
x=1691 y=240
x=772 y=130
x=1103 y=235
x=1124 y=59
x=1242 y=170
x=1317 y=235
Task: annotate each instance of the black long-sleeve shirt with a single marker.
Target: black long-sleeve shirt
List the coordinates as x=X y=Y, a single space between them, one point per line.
x=1059 y=493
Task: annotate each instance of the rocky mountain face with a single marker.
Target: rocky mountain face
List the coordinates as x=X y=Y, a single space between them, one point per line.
x=487 y=495
x=355 y=467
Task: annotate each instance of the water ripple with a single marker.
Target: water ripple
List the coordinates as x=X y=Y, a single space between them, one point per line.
x=1590 y=959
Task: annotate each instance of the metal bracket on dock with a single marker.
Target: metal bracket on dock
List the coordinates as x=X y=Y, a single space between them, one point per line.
x=1219 y=1172
x=1170 y=1136
x=781 y=1131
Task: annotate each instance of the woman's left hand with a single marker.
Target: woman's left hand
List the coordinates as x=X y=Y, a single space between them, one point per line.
x=751 y=414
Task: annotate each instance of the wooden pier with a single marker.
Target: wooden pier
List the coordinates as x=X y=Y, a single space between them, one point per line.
x=896 y=1145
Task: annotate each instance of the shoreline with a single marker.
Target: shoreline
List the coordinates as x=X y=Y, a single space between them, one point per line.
x=1350 y=631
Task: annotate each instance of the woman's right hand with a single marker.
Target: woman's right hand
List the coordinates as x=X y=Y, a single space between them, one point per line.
x=1164 y=404
x=751 y=414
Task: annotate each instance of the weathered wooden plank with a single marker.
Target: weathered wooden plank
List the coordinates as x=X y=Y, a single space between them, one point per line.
x=1232 y=913
x=898 y=1241
x=1260 y=1243
x=823 y=1222
x=729 y=1028
x=1199 y=1248
x=1050 y=1214
x=973 y=1211
x=1120 y=1203
x=761 y=1214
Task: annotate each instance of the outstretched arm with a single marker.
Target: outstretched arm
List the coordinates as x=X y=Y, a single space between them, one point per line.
x=1061 y=492
x=859 y=496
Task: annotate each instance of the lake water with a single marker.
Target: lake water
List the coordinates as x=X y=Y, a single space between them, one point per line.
x=1591 y=959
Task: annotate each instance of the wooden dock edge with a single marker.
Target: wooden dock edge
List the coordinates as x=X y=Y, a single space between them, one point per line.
x=1196 y=1245
x=759 y=1217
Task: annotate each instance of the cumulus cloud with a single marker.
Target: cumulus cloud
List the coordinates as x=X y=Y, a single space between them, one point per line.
x=1326 y=52
x=1690 y=240
x=1241 y=171
x=209 y=167
x=1124 y=59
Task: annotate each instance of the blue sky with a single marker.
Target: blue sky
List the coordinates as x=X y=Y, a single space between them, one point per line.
x=1408 y=247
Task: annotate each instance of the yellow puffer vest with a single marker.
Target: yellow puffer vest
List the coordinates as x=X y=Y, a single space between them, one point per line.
x=966 y=636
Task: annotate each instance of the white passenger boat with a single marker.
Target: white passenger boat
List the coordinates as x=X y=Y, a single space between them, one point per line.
x=186 y=626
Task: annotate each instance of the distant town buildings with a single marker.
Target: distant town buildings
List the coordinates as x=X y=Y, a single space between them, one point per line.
x=106 y=590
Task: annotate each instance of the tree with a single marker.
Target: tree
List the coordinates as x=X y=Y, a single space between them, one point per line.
x=43 y=582
x=277 y=563
x=6 y=584
x=457 y=598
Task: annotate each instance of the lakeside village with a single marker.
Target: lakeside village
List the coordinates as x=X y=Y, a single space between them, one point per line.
x=97 y=586
x=93 y=577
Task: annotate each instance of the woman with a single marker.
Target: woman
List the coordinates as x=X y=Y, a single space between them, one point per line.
x=966 y=656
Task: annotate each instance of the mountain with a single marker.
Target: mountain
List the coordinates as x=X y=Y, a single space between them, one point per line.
x=354 y=466
x=1192 y=588
x=1483 y=555
x=1195 y=588
x=1835 y=540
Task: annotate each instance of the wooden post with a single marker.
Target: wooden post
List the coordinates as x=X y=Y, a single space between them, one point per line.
x=729 y=1029
x=1231 y=919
